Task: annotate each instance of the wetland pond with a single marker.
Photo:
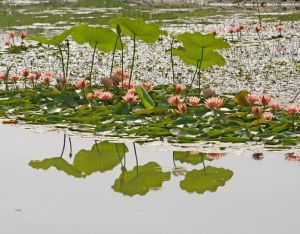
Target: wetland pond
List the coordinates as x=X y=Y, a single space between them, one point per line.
x=69 y=164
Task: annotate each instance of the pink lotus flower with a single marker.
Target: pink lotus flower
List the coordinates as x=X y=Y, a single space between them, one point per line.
x=61 y=81
x=7 y=42
x=131 y=91
x=267 y=116
x=292 y=109
x=15 y=78
x=97 y=92
x=2 y=75
x=174 y=100
x=25 y=73
x=279 y=27
x=265 y=100
x=23 y=35
x=125 y=84
x=193 y=101
x=251 y=99
x=31 y=77
x=256 y=110
x=257 y=28
x=147 y=86
x=47 y=77
x=179 y=88
x=292 y=157
x=130 y=98
x=107 y=82
x=214 y=103
x=11 y=34
x=90 y=97
x=118 y=72
x=214 y=156
x=105 y=96
x=182 y=108
x=232 y=30
x=82 y=84
x=274 y=105
x=208 y=92
x=242 y=27
x=38 y=74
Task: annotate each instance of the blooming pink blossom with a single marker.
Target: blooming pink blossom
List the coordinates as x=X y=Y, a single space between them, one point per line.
x=47 y=77
x=15 y=78
x=11 y=34
x=213 y=156
x=132 y=91
x=292 y=109
x=174 y=100
x=214 y=103
x=147 y=86
x=90 y=97
x=242 y=27
x=125 y=84
x=23 y=35
x=257 y=28
x=105 y=96
x=107 y=82
x=182 y=108
x=25 y=73
x=38 y=74
x=267 y=116
x=31 y=77
x=279 y=27
x=193 y=101
x=274 y=105
x=251 y=99
x=179 y=88
x=130 y=98
x=82 y=84
x=256 y=110
x=2 y=75
x=208 y=92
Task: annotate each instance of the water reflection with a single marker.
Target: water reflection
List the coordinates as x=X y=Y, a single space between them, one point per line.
x=139 y=180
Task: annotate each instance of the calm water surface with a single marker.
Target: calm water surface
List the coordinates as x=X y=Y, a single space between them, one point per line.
x=261 y=196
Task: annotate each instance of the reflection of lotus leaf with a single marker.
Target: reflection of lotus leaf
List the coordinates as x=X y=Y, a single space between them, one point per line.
x=188 y=157
x=102 y=157
x=59 y=163
x=199 y=181
x=141 y=179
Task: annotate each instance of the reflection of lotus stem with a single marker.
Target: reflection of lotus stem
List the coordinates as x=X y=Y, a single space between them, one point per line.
x=96 y=143
x=203 y=163
x=133 y=55
x=92 y=65
x=136 y=159
x=118 y=153
x=113 y=58
x=62 y=61
x=172 y=61
x=68 y=58
x=64 y=146
x=71 y=148
x=174 y=160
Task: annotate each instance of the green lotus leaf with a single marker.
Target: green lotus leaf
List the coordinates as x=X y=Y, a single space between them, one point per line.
x=58 y=163
x=198 y=40
x=55 y=40
x=200 y=181
x=147 y=32
x=141 y=179
x=102 y=157
x=189 y=157
x=103 y=38
x=147 y=101
x=193 y=56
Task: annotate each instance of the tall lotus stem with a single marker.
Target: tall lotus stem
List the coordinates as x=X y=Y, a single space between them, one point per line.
x=68 y=58
x=64 y=146
x=199 y=72
x=191 y=84
x=136 y=160
x=172 y=61
x=113 y=58
x=93 y=59
x=133 y=56
x=62 y=60
x=295 y=97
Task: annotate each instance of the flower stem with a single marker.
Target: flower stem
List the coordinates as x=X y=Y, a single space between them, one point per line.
x=62 y=60
x=113 y=58
x=93 y=59
x=172 y=61
x=133 y=56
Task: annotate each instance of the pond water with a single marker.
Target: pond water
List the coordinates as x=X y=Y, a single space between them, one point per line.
x=260 y=197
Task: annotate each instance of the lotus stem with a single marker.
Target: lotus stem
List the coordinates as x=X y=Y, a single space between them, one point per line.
x=199 y=72
x=93 y=59
x=71 y=148
x=64 y=145
x=68 y=58
x=296 y=96
x=122 y=59
x=133 y=55
x=62 y=61
x=203 y=163
x=172 y=61
x=175 y=166
x=113 y=58
x=6 y=76
x=191 y=84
